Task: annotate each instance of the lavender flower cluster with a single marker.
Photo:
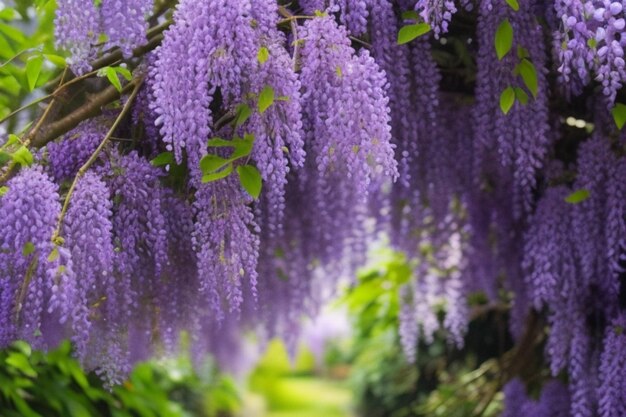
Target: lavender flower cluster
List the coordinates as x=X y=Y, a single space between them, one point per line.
x=80 y=25
x=357 y=140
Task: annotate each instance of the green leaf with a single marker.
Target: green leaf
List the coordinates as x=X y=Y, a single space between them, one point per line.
x=504 y=38
x=263 y=55
x=619 y=114
x=20 y=362
x=250 y=179
x=13 y=140
x=23 y=156
x=214 y=176
x=28 y=248
x=577 y=196
x=57 y=60
x=514 y=4
x=266 y=98
x=243 y=114
x=124 y=72
x=111 y=74
x=410 y=15
x=12 y=33
x=522 y=52
x=507 y=99
x=54 y=255
x=409 y=32
x=243 y=147
x=529 y=74
x=165 y=158
x=4 y=158
x=211 y=163
x=7 y=14
x=220 y=143
x=33 y=69
x=3 y=190
x=521 y=95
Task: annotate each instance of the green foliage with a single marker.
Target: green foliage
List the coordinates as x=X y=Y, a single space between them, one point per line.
x=28 y=59
x=113 y=75
x=504 y=38
x=577 y=196
x=164 y=158
x=36 y=384
x=23 y=156
x=263 y=55
x=409 y=32
x=250 y=179
x=443 y=381
x=619 y=115
x=529 y=74
x=507 y=99
x=266 y=98
x=513 y=4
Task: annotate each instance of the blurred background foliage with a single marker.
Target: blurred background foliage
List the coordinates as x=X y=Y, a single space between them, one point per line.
x=37 y=384
x=362 y=373
x=28 y=58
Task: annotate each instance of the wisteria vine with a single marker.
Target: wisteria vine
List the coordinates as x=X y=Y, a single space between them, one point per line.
x=260 y=148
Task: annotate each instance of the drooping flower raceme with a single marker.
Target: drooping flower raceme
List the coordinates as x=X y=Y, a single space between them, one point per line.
x=80 y=24
x=67 y=155
x=77 y=28
x=226 y=242
x=88 y=237
x=32 y=281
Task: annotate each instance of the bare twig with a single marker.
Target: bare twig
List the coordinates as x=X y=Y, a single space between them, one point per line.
x=94 y=156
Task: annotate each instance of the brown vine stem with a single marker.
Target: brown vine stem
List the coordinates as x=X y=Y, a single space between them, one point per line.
x=293 y=22
x=94 y=156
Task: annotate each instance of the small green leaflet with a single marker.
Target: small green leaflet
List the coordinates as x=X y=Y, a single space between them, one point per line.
x=409 y=32
x=33 y=69
x=54 y=255
x=263 y=55
x=165 y=158
x=214 y=176
x=577 y=196
x=13 y=140
x=529 y=74
x=243 y=114
x=243 y=147
x=12 y=33
x=619 y=114
x=521 y=95
x=23 y=156
x=28 y=248
x=266 y=98
x=220 y=143
x=410 y=15
x=57 y=60
x=3 y=190
x=211 y=163
x=4 y=158
x=112 y=75
x=504 y=38
x=250 y=179
x=124 y=72
x=507 y=99
x=522 y=52
x=514 y=4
